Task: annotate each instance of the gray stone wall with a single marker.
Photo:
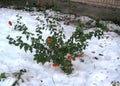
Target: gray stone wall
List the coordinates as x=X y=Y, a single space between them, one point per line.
x=105 y=3
x=18 y=3
x=97 y=12
x=77 y=8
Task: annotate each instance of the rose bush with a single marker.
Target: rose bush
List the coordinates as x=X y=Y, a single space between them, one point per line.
x=54 y=48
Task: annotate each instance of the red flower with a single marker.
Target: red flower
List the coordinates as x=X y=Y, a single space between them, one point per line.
x=42 y=4
x=49 y=40
x=55 y=65
x=107 y=37
x=70 y=57
x=10 y=23
x=107 y=30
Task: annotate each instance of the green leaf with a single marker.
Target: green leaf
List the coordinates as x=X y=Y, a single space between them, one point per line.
x=30 y=49
x=2 y=75
x=10 y=42
x=21 y=46
x=26 y=47
x=27 y=37
x=16 y=44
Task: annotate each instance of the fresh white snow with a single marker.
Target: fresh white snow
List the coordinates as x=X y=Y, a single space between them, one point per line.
x=92 y=72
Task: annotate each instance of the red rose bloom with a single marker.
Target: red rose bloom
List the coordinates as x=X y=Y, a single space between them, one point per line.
x=10 y=23
x=70 y=57
x=55 y=65
x=49 y=40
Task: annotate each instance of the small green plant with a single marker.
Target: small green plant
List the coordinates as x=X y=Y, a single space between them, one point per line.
x=54 y=48
x=2 y=76
x=17 y=76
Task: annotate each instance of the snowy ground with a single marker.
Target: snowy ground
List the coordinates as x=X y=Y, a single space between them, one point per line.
x=93 y=72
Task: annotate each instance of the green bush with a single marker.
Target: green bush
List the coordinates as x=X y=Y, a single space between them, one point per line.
x=53 y=48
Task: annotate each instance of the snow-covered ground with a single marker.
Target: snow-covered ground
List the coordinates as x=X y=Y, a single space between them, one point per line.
x=93 y=72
